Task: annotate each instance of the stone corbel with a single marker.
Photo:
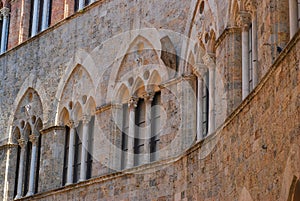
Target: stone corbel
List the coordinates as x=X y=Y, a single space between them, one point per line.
x=209 y=60
x=86 y=119
x=72 y=124
x=149 y=96
x=132 y=102
x=33 y=138
x=244 y=20
x=200 y=69
x=22 y=142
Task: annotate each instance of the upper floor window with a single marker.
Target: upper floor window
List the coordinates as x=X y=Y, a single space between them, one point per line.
x=80 y=4
x=40 y=16
x=4 y=29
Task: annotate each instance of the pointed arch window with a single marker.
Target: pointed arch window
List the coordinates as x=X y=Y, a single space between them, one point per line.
x=146 y=135
x=74 y=155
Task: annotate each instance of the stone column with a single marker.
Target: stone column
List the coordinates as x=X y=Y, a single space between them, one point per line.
x=71 y=155
x=45 y=17
x=210 y=63
x=5 y=13
x=132 y=104
x=22 y=144
x=293 y=11
x=199 y=105
x=244 y=23
x=81 y=4
x=33 y=139
x=254 y=49
x=84 y=150
x=35 y=18
x=148 y=100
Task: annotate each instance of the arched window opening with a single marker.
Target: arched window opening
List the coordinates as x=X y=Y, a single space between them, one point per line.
x=140 y=137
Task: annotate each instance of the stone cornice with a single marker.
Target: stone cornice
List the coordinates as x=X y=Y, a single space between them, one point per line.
x=8 y=146
x=104 y=108
x=51 y=128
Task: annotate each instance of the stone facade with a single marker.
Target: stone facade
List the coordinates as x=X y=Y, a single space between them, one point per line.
x=183 y=59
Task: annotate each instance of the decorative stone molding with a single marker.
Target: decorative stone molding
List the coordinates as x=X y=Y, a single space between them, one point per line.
x=244 y=20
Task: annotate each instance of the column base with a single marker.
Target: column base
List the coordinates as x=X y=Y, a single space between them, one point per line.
x=81 y=180
x=29 y=194
x=17 y=197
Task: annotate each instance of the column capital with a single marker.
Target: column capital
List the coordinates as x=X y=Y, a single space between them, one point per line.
x=4 y=12
x=244 y=20
x=86 y=119
x=72 y=124
x=132 y=102
x=33 y=138
x=148 y=97
x=22 y=142
x=251 y=6
x=209 y=60
x=200 y=69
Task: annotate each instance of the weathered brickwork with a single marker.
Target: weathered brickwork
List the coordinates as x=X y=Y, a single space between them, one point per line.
x=93 y=63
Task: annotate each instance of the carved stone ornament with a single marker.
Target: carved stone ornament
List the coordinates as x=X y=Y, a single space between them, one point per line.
x=22 y=142
x=209 y=60
x=149 y=96
x=132 y=102
x=244 y=20
x=86 y=119
x=33 y=138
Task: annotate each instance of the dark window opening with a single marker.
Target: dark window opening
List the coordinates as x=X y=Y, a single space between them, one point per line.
x=66 y=155
x=155 y=125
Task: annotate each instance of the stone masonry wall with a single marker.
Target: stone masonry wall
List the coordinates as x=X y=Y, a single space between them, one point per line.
x=254 y=156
